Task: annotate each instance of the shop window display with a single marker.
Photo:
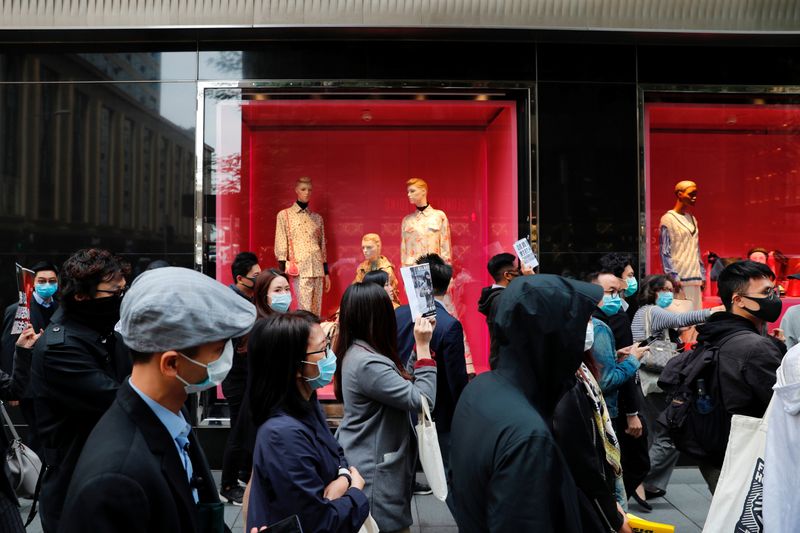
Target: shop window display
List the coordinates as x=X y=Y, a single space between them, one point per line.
x=359 y=156
x=744 y=162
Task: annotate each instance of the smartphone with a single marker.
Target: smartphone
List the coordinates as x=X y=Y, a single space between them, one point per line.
x=287 y=525
x=648 y=341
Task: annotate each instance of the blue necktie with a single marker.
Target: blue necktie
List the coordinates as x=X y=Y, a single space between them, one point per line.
x=183 y=444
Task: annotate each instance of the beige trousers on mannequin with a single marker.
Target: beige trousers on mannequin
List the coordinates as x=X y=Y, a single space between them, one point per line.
x=694 y=294
x=308 y=292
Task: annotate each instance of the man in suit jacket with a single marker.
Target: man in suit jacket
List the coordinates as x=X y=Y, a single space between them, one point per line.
x=142 y=469
x=447 y=345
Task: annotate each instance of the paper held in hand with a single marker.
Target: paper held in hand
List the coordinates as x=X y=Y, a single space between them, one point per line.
x=419 y=290
x=22 y=318
x=525 y=253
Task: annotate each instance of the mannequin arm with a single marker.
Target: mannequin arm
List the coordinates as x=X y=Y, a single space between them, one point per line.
x=445 y=249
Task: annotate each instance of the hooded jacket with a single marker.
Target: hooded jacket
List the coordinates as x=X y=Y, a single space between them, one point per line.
x=487 y=305
x=509 y=475
x=746 y=366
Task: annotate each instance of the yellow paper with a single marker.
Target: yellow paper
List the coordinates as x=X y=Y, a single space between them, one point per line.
x=640 y=525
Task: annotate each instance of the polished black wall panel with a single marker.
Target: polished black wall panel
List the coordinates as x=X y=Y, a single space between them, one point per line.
x=586 y=62
x=588 y=174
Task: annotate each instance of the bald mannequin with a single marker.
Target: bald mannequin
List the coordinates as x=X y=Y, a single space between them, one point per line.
x=679 y=243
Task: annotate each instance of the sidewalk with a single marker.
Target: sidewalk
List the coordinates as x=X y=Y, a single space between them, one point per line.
x=685 y=506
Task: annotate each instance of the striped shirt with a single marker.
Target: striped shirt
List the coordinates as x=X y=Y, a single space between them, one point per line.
x=661 y=319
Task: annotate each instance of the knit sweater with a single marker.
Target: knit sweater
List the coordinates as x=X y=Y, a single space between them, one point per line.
x=661 y=319
x=680 y=247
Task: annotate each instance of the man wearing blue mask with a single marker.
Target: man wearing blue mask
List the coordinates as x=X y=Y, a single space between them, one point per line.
x=142 y=468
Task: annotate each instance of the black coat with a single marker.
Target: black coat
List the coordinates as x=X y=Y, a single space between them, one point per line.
x=130 y=477
x=487 y=305
x=509 y=474
x=75 y=376
x=447 y=345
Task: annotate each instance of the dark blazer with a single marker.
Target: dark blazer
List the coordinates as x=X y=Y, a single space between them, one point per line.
x=74 y=378
x=447 y=344
x=130 y=477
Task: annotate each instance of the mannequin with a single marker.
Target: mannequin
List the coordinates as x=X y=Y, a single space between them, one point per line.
x=679 y=244
x=300 y=249
x=373 y=260
x=427 y=231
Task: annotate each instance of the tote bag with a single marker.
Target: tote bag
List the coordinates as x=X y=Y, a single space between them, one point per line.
x=737 y=502
x=22 y=466
x=429 y=453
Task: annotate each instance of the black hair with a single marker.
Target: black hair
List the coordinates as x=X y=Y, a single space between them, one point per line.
x=501 y=263
x=86 y=269
x=441 y=272
x=144 y=357
x=158 y=263
x=275 y=352
x=615 y=263
x=41 y=266
x=366 y=314
x=736 y=277
x=378 y=277
x=242 y=264
x=651 y=286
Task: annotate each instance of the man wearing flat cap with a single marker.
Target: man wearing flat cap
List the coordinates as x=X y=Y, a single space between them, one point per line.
x=142 y=469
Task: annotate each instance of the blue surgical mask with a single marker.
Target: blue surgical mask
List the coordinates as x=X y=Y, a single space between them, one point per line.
x=632 y=287
x=46 y=290
x=664 y=299
x=216 y=371
x=326 y=367
x=611 y=304
x=281 y=302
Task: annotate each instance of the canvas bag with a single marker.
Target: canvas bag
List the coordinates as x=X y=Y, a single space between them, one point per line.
x=23 y=466
x=429 y=453
x=737 y=501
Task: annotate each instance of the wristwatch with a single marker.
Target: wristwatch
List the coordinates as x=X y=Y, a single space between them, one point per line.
x=345 y=473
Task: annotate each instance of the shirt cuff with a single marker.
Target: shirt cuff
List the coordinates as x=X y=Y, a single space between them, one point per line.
x=325 y=268
x=424 y=362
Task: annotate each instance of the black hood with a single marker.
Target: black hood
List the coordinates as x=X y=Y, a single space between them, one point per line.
x=541 y=326
x=720 y=325
x=488 y=294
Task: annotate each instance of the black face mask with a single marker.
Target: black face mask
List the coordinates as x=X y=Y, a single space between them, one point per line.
x=769 y=307
x=100 y=314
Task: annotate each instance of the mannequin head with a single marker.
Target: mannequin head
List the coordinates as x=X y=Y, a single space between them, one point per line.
x=759 y=255
x=686 y=192
x=371 y=246
x=303 y=189
x=417 y=191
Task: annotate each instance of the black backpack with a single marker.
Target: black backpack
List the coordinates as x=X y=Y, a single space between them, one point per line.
x=698 y=426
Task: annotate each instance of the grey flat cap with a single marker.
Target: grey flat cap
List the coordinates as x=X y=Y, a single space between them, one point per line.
x=173 y=308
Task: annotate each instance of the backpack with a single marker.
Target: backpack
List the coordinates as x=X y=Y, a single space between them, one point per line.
x=696 y=418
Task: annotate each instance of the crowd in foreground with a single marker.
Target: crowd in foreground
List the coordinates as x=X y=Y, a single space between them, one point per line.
x=577 y=416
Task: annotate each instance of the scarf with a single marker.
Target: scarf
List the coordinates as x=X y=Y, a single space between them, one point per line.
x=601 y=419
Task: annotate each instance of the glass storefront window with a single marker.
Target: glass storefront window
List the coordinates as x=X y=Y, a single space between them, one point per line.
x=360 y=150
x=744 y=154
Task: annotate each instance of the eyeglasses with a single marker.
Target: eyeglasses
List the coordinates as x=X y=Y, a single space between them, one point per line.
x=119 y=293
x=771 y=295
x=324 y=350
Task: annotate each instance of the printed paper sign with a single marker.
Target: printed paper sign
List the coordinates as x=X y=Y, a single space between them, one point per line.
x=419 y=290
x=22 y=319
x=525 y=253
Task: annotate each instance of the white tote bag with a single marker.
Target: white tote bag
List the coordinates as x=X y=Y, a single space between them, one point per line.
x=737 y=501
x=370 y=526
x=429 y=453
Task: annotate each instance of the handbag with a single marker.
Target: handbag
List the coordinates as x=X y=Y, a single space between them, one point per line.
x=23 y=466
x=369 y=526
x=430 y=455
x=661 y=350
x=291 y=264
x=737 y=502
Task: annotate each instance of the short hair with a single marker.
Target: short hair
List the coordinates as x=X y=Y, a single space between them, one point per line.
x=42 y=266
x=499 y=264
x=242 y=264
x=378 y=277
x=736 y=277
x=303 y=180
x=683 y=185
x=751 y=251
x=86 y=269
x=441 y=272
x=276 y=349
x=651 y=286
x=417 y=182
x=261 y=288
x=615 y=263
x=143 y=357
x=374 y=238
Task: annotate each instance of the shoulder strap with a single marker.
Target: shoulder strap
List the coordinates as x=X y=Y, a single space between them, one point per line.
x=8 y=421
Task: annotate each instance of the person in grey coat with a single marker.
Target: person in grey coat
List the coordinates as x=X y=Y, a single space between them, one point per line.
x=379 y=397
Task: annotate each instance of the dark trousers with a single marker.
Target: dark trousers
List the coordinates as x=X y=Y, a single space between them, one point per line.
x=237 y=459
x=635 y=457
x=444 y=447
x=10 y=520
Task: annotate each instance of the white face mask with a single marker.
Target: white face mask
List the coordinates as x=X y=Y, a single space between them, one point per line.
x=217 y=370
x=589 y=340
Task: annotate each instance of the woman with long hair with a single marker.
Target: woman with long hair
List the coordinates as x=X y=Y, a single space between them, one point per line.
x=298 y=467
x=379 y=396
x=271 y=293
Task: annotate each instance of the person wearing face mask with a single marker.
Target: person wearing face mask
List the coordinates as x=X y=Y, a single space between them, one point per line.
x=298 y=467
x=379 y=396
x=746 y=365
x=236 y=457
x=272 y=293
x=142 y=468
x=78 y=365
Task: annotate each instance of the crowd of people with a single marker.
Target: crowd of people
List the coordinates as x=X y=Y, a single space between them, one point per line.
x=579 y=414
